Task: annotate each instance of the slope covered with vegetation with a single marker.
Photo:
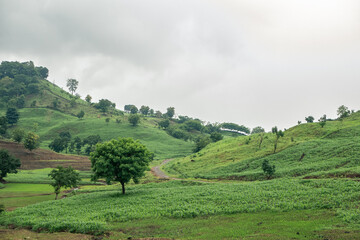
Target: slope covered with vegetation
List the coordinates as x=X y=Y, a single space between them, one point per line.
x=47 y=110
x=306 y=150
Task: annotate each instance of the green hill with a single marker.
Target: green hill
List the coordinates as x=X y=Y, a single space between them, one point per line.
x=48 y=110
x=306 y=151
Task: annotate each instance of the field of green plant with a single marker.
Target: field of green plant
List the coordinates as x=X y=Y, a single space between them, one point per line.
x=97 y=211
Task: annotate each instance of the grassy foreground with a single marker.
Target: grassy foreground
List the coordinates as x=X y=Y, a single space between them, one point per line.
x=105 y=209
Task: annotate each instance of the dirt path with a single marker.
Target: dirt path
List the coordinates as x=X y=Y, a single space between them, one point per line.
x=156 y=171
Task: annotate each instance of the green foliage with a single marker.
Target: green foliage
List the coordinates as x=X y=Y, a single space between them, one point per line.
x=164 y=123
x=278 y=134
x=216 y=136
x=72 y=84
x=133 y=109
x=2 y=208
x=269 y=170
x=257 y=130
x=12 y=116
x=201 y=142
x=343 y=112
x=81 y=114
x=176 y=132
x=134 y=119
x=88 y=98
x=100 y=210
x=8 y=163
x=64 y=178
x=170 y=112
x=31 y=141
x=18 y=135
x=309 y=119
x=120 y=160
x=104 y=105
x=322 y=121
x=3 y=125
x=144 y=110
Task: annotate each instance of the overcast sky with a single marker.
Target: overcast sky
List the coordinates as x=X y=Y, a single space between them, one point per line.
x=252 y=62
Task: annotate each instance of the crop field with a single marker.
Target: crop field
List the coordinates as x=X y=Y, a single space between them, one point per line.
x=99 y=210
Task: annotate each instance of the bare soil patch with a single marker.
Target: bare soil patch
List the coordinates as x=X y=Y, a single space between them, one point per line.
x=39 y=158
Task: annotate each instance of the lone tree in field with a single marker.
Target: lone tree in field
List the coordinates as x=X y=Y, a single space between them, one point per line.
x=268 y=169
x=278 y=134
x=31 y=141
x=343 y=112
x=72 y=84
x=134 y=119
x=322 y=121
x=120 y=160
x=8 y=164
x=63 y=177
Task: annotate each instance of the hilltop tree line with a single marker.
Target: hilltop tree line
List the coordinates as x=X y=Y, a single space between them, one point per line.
x=17 y=80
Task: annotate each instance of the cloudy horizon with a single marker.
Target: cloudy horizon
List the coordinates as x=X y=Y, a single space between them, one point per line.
x=251 y=62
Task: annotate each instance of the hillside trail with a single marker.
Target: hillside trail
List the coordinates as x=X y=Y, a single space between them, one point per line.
x=157 y=172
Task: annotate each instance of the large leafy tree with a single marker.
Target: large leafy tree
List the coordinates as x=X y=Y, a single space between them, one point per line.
x=120 y=160
x=64 y=178
x=12 y=116
x=8 y=164
x=343 y=111
x=170 y=112
x=144 y=110
x=72 y=84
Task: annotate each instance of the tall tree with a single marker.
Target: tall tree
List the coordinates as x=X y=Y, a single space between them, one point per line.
x=63 y=178
x=12 y=116
x=170 y=112
x=8 y=164
x=322 y=121
x=120 y=160
x=278 y=134
x=72 y=84
x=88 y=98
x=144 y=110
x=3 y=125
x=343 y=111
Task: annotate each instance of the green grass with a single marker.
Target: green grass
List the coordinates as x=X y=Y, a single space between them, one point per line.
x=41 y=176
x=97 y=211
x=299 y=224
x=52 y=122
x=329 y=151
x=22 y=194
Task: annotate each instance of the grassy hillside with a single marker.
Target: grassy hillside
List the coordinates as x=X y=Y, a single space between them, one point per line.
x=333 y=150
x=51 y=122
x=49 y=110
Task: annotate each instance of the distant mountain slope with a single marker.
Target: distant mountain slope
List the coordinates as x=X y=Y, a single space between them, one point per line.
x=306 y=150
